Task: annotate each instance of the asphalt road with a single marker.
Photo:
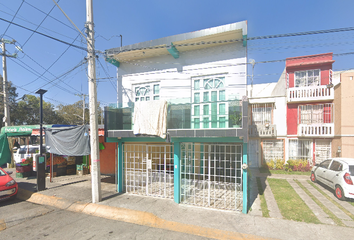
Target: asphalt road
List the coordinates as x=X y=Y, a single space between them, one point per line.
x=25 y=220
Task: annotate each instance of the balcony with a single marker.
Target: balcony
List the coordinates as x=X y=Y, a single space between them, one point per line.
x=316 y=130
x=262 y=130
x=182 y=120
x=310 y=94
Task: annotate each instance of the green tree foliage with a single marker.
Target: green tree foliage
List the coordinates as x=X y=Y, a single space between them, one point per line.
x=12 y=95
x=72 y=113
x=27 y=112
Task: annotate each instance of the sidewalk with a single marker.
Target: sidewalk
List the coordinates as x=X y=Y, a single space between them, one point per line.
x=73 y=193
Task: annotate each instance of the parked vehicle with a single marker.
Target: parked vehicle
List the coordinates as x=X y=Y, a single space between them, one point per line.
x=336 y=173
x=25 y=152
x=8 y=186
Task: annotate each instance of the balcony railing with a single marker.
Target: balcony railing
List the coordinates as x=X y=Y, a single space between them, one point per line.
x=179 y=116
x=302 y=94
x=263 y=130
x=316 y=130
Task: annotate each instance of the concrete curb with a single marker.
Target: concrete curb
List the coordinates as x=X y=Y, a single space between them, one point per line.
x=129 y=216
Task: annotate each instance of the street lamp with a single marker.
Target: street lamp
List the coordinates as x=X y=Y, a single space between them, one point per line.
x=40 y=161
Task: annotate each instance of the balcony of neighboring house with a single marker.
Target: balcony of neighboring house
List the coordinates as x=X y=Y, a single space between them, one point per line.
x=316 y=120
x=307 y=87
x=214 y=118
x=262 y=121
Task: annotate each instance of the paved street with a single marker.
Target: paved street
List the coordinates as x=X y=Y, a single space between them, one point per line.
x=25 y=220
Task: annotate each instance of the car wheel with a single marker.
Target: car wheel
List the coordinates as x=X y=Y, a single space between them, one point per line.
x=313 y=177
x=339 y=192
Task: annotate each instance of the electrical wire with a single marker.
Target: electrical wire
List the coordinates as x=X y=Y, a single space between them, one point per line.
x=45 y=35
x=18 y=9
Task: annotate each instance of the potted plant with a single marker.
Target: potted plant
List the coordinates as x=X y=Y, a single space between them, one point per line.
x=236 y=119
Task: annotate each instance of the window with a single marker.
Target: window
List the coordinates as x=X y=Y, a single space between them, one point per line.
x=147 y=92
x=273 y=150
x=312 y=114
x=325 y=164
x=307 y=78
x=300 y=149
x=336 y=166
x=262 y=113
x=210 y=109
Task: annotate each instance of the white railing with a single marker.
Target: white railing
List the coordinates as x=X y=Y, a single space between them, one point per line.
x=316 y=130
x=264 y=130
x=299 y=94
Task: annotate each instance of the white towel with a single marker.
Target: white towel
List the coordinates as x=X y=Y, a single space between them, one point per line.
x=150 y=118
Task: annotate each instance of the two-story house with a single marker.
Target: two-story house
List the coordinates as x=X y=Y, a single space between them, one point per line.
x=267 y=122
x=310 y=107
x=180 y=121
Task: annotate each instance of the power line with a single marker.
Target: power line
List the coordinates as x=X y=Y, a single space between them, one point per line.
x=13 y=18
x=39 y=23
x=45 y=35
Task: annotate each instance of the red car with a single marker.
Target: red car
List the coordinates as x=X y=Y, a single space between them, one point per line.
x=8 y=186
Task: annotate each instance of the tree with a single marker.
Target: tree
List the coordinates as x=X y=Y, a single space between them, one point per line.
x=72 y=113
x=12 y=95
x=27 y=112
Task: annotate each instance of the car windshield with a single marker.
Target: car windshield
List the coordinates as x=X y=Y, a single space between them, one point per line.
x=351 y=170
x=2 y=173
x=22 y=150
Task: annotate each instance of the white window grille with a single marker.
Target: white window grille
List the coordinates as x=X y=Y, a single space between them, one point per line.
x=307 y=78
x=318 y=113
x=147 y=92
x=262 y=113
x=273 y=150
x=300 y=150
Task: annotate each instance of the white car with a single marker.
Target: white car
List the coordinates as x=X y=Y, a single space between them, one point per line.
x=336 y=173
x=25 y=152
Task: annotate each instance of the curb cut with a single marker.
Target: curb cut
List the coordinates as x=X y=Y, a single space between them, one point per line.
x=129 y=216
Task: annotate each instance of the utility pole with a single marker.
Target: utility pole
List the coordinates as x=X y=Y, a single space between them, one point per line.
x=4 y=70
x=83 y=106
x=95 y=155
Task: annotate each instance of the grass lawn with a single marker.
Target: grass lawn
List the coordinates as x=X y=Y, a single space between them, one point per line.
x=264 y=207
x=291 y=206
x=324 y=208
x=264 y=170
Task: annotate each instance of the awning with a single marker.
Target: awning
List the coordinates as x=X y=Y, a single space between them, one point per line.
x=21 y=130
x=36 y=132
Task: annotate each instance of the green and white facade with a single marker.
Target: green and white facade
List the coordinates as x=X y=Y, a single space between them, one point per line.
x=203 y=77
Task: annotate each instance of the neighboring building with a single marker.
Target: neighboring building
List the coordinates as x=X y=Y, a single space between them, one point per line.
x=310 y=107
x=267 y=122
x=203 y=76
x=343 y=142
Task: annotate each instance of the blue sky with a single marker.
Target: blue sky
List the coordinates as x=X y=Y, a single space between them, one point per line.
x=50 y=65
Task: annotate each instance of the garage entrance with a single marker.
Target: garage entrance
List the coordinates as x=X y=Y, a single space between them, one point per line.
x=149 y=169
x=211 y=175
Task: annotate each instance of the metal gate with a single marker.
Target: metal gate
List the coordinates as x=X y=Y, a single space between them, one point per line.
x=149 y=169
x=322 y=150
x=211 y=175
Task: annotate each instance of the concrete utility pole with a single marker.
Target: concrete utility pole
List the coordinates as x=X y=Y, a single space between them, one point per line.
x=6 y=99
x=95 y=154
x=83 y=106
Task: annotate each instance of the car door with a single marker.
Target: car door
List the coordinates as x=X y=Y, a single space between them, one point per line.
x=322 y=170
x=332 y=174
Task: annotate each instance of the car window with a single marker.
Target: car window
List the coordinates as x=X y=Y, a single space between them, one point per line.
x=351 y=170
x=325 y=164
x=2 y=173
x=22 y=150
x=33 y=150
x=336 y=166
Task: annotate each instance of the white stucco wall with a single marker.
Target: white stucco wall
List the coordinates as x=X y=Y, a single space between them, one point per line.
x=175 y=75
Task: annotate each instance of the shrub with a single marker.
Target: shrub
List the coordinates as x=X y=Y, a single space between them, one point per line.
x=301 y=165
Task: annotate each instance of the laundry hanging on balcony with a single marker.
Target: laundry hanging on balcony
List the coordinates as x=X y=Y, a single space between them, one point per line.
x=150 y=118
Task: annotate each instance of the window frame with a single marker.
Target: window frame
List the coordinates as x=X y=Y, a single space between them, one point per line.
x=151 y=95
x=297 y=80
